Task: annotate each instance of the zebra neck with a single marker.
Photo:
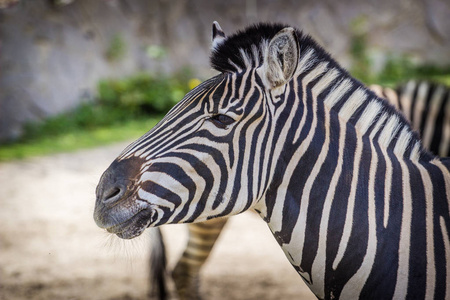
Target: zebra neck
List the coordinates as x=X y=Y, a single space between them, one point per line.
x=348 y=159
x=332 y=115
x=330 y=112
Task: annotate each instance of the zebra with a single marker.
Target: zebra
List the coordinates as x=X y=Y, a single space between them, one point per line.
x=427 y=106
x=430 y=103
x=359 y=207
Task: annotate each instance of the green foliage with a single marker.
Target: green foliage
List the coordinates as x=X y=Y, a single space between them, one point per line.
x=116 y=49
x=143 y=94
x=399 y=69
x=118 y=100
x=358 y=50
x=87 y=116
x=396 y=69
x=156 y=52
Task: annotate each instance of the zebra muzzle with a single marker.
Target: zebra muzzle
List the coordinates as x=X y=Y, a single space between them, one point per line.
x=134 y=226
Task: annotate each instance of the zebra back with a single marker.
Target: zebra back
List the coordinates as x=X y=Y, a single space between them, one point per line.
x=427 y=106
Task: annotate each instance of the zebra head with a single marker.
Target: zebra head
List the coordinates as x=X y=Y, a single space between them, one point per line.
x=205 y=158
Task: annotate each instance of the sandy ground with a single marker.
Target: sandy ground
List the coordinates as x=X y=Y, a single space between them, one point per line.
x=50 y=247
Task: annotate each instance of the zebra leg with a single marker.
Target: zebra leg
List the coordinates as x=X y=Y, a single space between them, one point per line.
x=157 y=276
x=186 y=274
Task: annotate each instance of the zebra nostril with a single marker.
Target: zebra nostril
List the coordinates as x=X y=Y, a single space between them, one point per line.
x=112 y=195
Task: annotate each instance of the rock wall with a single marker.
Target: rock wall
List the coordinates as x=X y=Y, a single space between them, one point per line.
x=53 y=56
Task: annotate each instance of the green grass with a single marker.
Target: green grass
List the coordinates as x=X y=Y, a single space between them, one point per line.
x=80 y=139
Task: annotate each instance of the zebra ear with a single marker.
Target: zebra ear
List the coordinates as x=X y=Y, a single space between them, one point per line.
x=218 y=36
x=281 y=58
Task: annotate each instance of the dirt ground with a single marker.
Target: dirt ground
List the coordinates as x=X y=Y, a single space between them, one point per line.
x=50 y=247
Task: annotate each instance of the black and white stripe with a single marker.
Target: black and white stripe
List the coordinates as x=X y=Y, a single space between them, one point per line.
x=356 y=204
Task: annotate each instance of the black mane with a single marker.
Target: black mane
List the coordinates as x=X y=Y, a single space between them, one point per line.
x=226 y=56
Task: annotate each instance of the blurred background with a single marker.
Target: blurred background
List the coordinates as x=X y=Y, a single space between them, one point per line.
x=59 y=55
x=79 y=74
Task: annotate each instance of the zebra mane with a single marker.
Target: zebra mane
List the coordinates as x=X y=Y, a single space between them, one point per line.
x=228 y=56
x=394 y=128
x=246 y=47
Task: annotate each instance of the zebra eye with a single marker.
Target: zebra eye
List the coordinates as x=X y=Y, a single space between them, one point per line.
x=221 y=121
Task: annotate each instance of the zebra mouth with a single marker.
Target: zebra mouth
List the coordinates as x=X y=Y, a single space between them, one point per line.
x=134 y=226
